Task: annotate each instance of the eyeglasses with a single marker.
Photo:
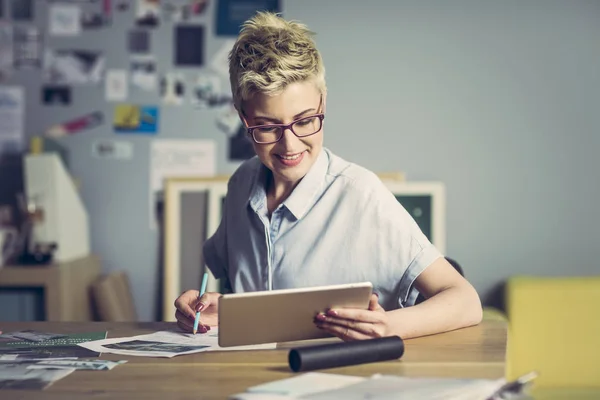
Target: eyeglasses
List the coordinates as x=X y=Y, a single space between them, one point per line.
x=302 y=127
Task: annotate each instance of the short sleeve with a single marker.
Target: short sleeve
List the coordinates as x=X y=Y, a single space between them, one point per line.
x=405 y=250
x=215 y=248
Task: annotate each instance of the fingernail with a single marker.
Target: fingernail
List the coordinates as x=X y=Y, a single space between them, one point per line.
x=321 y=317
x=332 y=312
x=200 y=307
x=376 y=294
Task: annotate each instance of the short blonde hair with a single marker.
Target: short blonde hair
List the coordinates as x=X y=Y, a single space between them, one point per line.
x=269 y=54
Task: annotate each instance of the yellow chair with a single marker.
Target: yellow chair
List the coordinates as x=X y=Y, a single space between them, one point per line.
x=554 y=329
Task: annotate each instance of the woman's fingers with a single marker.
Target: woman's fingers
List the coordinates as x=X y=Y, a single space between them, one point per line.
x=343 y=332
x=187 y=325
x=185 y=302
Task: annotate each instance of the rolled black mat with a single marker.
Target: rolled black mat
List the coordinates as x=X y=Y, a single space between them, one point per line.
x=346 y=353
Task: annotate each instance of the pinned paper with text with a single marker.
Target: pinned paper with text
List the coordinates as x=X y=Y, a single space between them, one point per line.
x=177 y=158
x=12 y=105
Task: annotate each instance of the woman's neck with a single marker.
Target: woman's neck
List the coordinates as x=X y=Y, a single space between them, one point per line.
x=277 y=191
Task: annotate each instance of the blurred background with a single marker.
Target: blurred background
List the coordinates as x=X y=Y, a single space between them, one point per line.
x=101 y=101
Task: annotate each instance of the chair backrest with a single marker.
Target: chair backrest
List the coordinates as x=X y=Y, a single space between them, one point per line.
x=554 y=329
x=113 y=297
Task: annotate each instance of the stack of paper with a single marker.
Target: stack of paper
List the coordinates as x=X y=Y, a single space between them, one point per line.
x=166 y=344
x=319 y=386
x=33 y=360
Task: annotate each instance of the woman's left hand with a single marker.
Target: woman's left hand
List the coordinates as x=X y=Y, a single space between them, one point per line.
x=355 y=324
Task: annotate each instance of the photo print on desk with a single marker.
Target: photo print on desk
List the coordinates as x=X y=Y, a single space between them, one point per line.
x=160 y=347
x=27 y=47
x=148 y=13
x=56 y=95
x=19 y=377
x=64 y=20
x=73 y=66
x=143 y=72
x=22 y=10
x=189 y=46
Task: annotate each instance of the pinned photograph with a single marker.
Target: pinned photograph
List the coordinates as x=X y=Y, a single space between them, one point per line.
x=240 y=146
x=112 y=149
x=138 y=41
x=231 y=14
x=76 y=125
x=189 y=45
x=27 y=47
x=116 y=85
x=185 y=12
x=64 y=20
x=229 y=121
x=172 y=89
x=130 y=118
x=73 y=66
x=220 y=61
x=6 y=50
x=148 y=13
x=56 y=95
x=22 y=10
x=207 y=92
x=143 y=72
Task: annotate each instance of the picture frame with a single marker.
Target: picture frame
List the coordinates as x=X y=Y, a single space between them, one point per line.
x=426 y=203
x=188 y=222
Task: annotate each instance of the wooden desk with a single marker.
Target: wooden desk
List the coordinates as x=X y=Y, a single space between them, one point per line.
x=476 y=352
x=66 y=286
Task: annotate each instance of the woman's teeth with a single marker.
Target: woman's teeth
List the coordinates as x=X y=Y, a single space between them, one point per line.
x=294 y=157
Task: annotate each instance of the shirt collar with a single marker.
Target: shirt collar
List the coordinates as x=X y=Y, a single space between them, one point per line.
x=303 y=196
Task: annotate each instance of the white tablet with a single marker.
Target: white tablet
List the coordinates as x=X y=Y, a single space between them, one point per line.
x=284 y=315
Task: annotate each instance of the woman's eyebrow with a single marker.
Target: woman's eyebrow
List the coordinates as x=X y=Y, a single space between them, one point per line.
x=278 y=121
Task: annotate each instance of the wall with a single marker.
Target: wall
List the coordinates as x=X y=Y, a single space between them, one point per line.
x=499 y=100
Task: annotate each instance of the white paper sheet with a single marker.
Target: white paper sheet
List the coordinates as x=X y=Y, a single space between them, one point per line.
x=166 y=344
x=12 y=103
x=116 y=85
x=178 y=158
x=318 y=386
x=64 y=20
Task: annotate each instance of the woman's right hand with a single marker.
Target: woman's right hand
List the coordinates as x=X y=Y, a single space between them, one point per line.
x=188 y=303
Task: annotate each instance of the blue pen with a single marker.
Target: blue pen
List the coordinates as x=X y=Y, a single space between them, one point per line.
x=202 y=290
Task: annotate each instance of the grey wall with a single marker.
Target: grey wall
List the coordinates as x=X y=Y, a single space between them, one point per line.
x=497 y=99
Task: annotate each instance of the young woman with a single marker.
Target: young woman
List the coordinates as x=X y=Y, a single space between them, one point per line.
x=297 y=215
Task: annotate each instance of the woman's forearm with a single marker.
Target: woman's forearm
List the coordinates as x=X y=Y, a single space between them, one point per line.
x=453 y=308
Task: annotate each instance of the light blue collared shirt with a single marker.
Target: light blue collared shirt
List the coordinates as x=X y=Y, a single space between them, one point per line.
x=339 y=225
